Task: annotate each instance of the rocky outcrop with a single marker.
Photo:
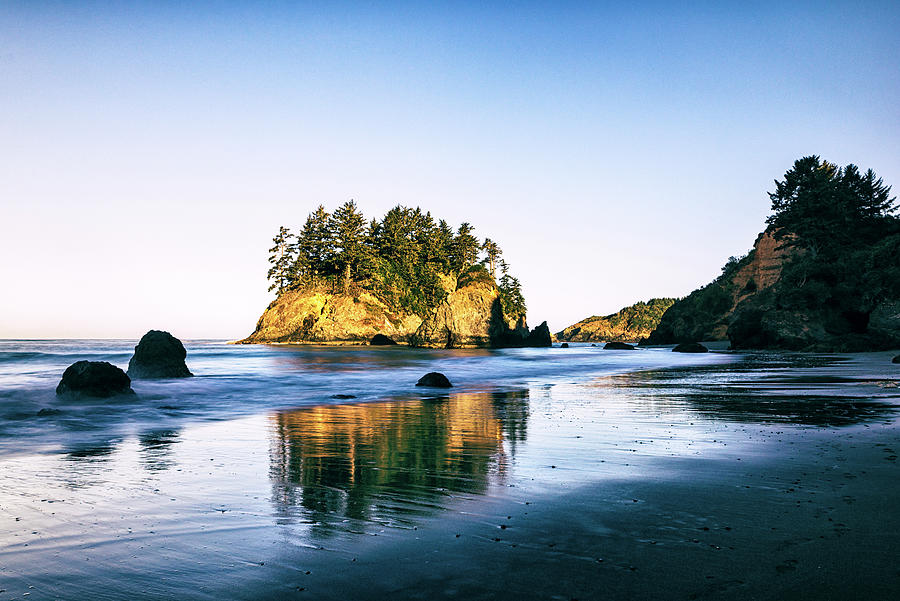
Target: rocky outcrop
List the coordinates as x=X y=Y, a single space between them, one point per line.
x=617 y=346
x=316 y=316
x=778 y=298
x=690 y=347
x=158 y=355
x=706 y=313
x=94 y=379
x=467 y=317
x=896 y=359
x=381 y=340
x=631 y=323
x=471 y=315
x=434 y=379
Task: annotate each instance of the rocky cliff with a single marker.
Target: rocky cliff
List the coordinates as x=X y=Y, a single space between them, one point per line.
x=706 y=313
x=629 y=324
x=780 y=298
x=469 y=316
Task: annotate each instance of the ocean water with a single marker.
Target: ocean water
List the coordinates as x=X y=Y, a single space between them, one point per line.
x=239 y=380
x=253 y=479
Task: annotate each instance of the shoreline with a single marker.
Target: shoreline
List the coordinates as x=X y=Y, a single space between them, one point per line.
x=569 y=484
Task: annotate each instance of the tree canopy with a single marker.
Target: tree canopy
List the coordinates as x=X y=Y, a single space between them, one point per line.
x=824 y=208
x=405 y=257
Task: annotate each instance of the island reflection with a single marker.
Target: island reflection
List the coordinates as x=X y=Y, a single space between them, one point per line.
x=389 y=462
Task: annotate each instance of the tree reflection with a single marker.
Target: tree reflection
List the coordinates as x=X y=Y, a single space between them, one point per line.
x=388 y=462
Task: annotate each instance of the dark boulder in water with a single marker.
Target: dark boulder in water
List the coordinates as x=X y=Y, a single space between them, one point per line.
x=618 y=346
x=435 y=380
x=343 y=396
x=564 y=345
x=94 y=378
x=381 y=340
x=158 y=355
x=896 y=359
x=690 y=347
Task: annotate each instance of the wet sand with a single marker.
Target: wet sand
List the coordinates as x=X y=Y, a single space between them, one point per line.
x=749 y=477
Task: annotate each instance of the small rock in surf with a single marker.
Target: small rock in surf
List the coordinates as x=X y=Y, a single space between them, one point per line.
x=434 y=380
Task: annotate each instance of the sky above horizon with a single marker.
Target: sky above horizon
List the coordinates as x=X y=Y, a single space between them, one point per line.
x=150 y=151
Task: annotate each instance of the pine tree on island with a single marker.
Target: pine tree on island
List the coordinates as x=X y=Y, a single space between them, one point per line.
x=402 y=258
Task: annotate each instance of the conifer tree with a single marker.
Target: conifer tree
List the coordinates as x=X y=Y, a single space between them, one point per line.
x=348 y=234
x=492 y=254
x=281 y=259
x=315 y=247
x=464 y=249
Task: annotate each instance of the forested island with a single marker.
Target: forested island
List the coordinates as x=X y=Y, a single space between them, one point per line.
x=408 y=277
x=824 y=276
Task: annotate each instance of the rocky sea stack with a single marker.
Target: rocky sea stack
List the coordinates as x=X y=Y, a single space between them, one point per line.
x=408 y=277
x=158 y=355
x=94 y=379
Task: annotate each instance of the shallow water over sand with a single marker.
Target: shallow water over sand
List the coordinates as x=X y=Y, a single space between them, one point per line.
x=251 y=481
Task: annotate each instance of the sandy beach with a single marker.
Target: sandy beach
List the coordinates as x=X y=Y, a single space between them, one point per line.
x=732 y=476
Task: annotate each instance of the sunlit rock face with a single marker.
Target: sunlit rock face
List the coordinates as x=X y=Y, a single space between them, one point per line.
x=706 y=313
x=469 y=316
x=632 y=323
x=754 y=307
x=315 y=316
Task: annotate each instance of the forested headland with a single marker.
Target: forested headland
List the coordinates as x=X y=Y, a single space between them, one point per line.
x=824 y=276
x=404 y=259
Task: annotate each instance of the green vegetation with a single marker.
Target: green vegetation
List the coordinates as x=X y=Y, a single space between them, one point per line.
x=629 y=324
x=841 y=269
x=405 y=258
x=841 y=223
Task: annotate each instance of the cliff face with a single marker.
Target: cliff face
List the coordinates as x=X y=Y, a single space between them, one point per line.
x=706 y=313
x=470 y=316
x=629 y=324
x=312 y=316
x=785 y=299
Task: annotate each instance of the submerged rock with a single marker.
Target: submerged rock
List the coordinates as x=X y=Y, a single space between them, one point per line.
x=896 y=359
x=618 y=346
x=158 y=355
x=381 y=340
x=343 y=396
x=690 y=347
x=95 y=379
x=435 y=380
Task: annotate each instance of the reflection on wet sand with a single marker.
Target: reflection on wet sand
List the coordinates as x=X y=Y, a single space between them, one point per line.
x=386 y=462
x=763 y=388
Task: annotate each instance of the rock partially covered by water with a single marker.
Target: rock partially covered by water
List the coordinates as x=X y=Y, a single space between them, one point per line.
x=381 y=340
x=896 y=359
x=618 y=346
x=158 y=355
x=564 y=345
x=95 y=379
x=539 y=337
x=434 y=379
x=690 y=347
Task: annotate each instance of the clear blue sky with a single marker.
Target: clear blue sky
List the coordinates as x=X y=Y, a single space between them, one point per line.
x=149 y=152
